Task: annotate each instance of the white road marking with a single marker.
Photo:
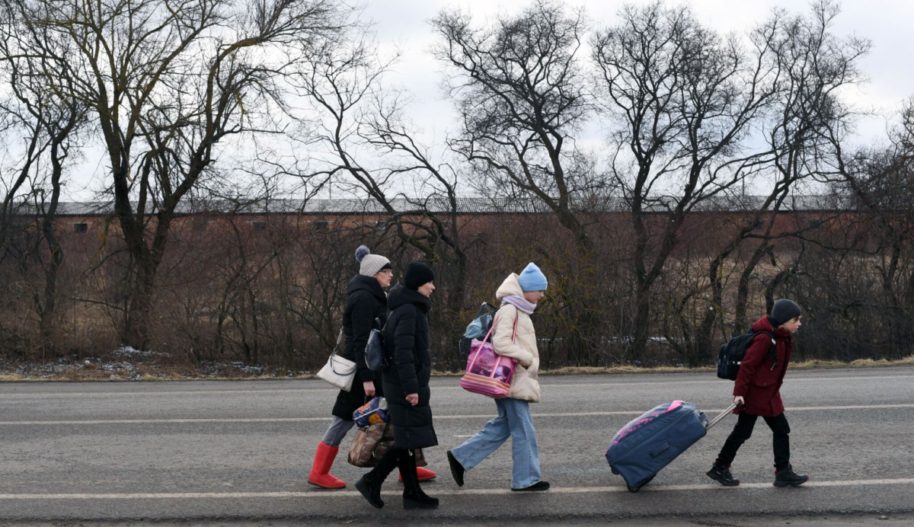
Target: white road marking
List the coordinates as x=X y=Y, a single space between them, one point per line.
x=619 y=381
x=442 y=492
x=712 y=379
x=242 y=420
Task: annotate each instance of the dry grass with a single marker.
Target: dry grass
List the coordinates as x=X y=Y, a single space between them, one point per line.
x=859 y=363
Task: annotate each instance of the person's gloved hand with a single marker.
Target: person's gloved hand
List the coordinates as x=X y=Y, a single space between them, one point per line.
x=738 y=400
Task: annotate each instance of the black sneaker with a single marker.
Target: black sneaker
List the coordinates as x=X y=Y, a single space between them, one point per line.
x=786 y=477
x=539 y=486
x=722 y=475
x=457 y=469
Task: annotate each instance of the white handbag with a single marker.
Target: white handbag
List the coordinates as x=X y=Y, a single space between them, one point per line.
x=339 y=371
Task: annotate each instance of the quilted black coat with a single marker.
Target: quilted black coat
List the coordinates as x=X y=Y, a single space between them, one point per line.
x=365 y=302
x=406 y=339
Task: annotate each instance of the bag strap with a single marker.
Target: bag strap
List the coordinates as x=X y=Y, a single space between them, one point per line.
x=486 y=338
x=333 y=353
x=491 y=329
x=500 y=358
x=495 y=320
x=339 y=339
x=772 y=347
x=773 y=350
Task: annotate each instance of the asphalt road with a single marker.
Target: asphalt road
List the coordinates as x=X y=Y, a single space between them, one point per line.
x=238 y=452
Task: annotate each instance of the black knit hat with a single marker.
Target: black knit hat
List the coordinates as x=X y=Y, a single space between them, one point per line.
x=783 y=310
x=418 y=274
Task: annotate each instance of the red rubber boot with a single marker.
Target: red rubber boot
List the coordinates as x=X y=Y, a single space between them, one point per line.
x=320 y=470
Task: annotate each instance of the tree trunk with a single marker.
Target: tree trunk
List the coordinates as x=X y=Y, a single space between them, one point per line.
x=48 y=317
x=139 y=306
x=705 y=337
x=642 y=323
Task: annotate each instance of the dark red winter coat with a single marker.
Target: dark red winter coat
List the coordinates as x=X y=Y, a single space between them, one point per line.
x=759 y=380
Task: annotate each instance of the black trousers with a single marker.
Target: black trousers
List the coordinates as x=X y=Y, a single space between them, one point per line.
x=402 y=458
x=780 y=430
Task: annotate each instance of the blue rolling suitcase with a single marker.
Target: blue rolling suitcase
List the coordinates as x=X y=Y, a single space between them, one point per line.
x=640 y=449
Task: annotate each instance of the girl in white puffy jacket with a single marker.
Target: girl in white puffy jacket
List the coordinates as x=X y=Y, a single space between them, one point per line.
x=519 y=295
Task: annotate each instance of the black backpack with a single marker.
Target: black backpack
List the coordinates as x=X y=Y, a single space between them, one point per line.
x=375 y=351
x=732 y=353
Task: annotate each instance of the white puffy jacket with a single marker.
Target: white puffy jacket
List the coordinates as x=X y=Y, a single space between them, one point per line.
x=525 y=385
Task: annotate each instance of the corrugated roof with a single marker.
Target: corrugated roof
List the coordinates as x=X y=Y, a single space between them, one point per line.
x=465 y=205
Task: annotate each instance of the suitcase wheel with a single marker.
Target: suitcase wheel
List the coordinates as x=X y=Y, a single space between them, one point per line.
x=640 y=484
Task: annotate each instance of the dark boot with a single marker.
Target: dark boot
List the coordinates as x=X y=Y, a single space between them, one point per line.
x=371 y=490
x=786 y=477
x=413 y=497
x=370 y=484
x=457 y=469
x=722 y=475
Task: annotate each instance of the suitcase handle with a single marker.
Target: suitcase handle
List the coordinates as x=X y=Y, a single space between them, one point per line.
x=660 y=451
x=720 y=416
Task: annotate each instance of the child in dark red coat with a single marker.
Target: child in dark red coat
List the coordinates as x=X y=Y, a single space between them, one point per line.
x=757 y=393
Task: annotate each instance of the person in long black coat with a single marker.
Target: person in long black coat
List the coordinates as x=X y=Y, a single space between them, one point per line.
x=366 y=307
x=406 y=387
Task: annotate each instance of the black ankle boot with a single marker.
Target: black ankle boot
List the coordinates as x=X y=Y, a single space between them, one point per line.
x=786 y=477
x=413 y=497
x=417 y=499
x=722 y=475
x=370 y=490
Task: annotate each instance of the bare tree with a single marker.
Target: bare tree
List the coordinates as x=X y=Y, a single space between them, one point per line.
x=376 y=155
x=686 y=99
x=522 y=97
x=520 y=93
x=167 y=82
x=813 y=64
x=50 y=120
x=881 y=182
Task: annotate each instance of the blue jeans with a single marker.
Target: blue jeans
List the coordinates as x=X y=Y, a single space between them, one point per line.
x=513 y=421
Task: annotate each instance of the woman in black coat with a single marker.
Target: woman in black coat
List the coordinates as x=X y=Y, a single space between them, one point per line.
x=366 y=307
x=406 y=377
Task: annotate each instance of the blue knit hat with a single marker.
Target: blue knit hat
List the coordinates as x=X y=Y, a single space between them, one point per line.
x=532 y=279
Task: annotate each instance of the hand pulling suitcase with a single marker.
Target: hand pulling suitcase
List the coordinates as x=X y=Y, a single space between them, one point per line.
x=640 y=449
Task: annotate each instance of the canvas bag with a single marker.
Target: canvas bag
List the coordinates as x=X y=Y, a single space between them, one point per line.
x=372 y=442
x=489 y=373
x=338 y=371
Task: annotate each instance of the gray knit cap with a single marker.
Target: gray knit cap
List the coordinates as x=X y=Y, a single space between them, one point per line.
x=370 y=264
x=783 y=310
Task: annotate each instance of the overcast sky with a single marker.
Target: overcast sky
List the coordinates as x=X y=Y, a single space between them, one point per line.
x=404 y=26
